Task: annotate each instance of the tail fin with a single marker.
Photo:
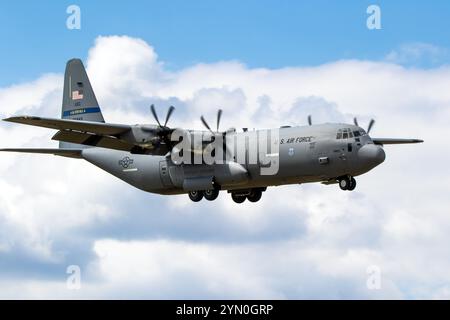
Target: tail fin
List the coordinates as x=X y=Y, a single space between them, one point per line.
x=79 y=101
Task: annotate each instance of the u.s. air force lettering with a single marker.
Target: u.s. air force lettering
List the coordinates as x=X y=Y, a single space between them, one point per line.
x=296 y=140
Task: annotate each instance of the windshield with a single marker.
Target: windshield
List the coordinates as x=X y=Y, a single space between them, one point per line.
x=346 y=133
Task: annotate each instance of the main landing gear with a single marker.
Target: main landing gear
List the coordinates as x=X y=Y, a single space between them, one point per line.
x=209 y=195
x=252 y=195
x=347 y=183
x=238 y=196
x=196 y=196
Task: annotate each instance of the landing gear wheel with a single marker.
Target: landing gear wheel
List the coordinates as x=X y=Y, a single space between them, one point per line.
x=195 y=196
x=352 y=184
x=211 y=194
x=254 y=196
x=238 y=198
x=344 y=183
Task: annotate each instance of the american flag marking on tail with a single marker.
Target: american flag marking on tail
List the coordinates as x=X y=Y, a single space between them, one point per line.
x=77 y=95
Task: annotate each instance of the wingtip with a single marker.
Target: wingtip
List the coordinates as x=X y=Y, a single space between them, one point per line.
x=18 y=118
x=13 y=118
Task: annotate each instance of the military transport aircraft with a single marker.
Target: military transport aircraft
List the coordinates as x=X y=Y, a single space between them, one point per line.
x=148 y=156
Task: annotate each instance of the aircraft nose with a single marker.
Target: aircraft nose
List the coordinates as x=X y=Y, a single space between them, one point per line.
x=371 y=154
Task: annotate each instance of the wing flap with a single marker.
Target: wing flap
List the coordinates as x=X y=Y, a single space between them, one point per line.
x=395 y=141
x=71 y=153
x=108 y=142
x=65 y=124
x=92 y=140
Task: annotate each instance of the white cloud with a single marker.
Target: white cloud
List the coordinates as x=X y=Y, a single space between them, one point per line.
x=417 y=53
x=307 y=241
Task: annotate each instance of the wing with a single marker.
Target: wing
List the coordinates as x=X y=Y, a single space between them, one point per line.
x=99 y=134
x=82 y=126
x=395 y=141
x=71 y=153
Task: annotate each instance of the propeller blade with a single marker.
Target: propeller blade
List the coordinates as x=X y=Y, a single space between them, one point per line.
x=219 y=115
x=152 y=108
x=205 y=123
x=355 y=121
x=169 y=113
x=371 y=123
x=309 y=120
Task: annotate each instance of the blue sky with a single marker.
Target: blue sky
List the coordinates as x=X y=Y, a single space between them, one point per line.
x=259 y=33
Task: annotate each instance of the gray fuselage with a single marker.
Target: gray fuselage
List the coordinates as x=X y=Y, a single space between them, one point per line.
x=317 y=153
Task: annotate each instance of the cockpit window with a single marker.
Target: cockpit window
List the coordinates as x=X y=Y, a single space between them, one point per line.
x=346 y=133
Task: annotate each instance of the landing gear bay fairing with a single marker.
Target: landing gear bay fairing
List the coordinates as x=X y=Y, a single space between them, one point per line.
x=159 y=159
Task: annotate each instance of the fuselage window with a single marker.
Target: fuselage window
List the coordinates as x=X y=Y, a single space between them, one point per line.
x=356 y=133
x=345 y=135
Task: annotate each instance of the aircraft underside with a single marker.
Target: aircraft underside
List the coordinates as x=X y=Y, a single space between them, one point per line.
x=157 y=174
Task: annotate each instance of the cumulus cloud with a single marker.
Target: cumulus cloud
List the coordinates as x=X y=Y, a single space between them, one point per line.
x=309 y=241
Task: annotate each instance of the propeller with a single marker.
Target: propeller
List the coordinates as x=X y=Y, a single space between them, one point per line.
x=163 y=132
x=309 y=120
x=371 y=123
x=169 y=113
x=369 y=127
x=219 y=116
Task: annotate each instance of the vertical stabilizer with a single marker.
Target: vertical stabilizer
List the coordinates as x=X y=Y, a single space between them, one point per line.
x=79 y=101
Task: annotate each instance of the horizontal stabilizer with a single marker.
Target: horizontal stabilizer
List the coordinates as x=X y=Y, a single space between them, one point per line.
x=63 y=124
x=71 y=153
x=395 y=141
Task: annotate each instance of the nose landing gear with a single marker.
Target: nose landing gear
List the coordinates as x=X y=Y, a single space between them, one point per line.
x=347 y=183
